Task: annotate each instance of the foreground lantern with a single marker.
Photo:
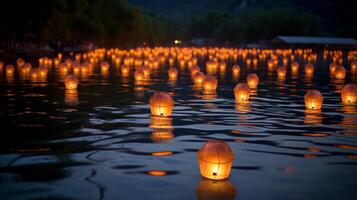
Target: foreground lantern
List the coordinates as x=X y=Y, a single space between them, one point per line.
x=215 y=160
x=349 y=94
x=71 y=82
x=241 y=93
x=172 y=72
x=219 y=190
x=252 y=80
x=340 y=72
x=313 y=100
x=209 y=83
x=161 y=104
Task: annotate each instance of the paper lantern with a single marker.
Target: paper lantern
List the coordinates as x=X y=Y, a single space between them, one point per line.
x=125 y=69
x=309 y=69
x=215 y=190
x=215 y=160
x=35 y=73
x=313 y=99
x=20 y=62
x=43 y=71
x=104 y=66
x=194 y=70
x=281 y=72
x=252 y=80
x=9 y=69
x=147 y=71
x=349 y=94
x=71 y=82
x=340 y=72
x=332 y=67
x=172 y=72
x=235 y=69
x=241 y=93
x=139 y=75
x=209 y=83
x=161 y=104
x=294 y=67
x=354 y=66
x=198 y=77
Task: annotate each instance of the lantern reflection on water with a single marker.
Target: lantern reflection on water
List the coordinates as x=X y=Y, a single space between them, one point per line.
x=215 y=160
x=71 y=82
x=349 y=94
x=209 y=83
x=215 y=190
x=241 y=93
x=71 y=97
x=161 y=104
x=313 y=100
x=252 y=80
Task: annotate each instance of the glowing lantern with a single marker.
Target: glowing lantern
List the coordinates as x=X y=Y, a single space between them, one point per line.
x=198 y=77
x=43 y=71
x=219 y=190
x=281 y=72
x=235 y=69
x=194 y=70
x=9 y=69
x=20 y=62
x=349 y=94
x=147 y=71
x=332 y=67
x=354 y=66
x=125 y=69
x=340 y=72
x=294 y=67
x=215 y=160
x=35 y=73
x=1 y=65
x=209 y=83
x=241 y=92
x=313 y=100
x=71 y=82
x=309 y=69
x=172 y=72
x=139 y=75
x=161 y=104
x=252 y=80
x=104 y=66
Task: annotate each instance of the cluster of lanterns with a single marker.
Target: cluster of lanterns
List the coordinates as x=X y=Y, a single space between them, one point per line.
x=215 y=157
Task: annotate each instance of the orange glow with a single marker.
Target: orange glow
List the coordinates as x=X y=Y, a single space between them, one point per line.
x=162 y=153
x=215 y=160
x=161 y=104
x=139 y=75
x=215 y=190
x=281 y=72
x=172 y=72
x=157 y=173
x=340 y=72
x=209 y=83
x=252 y=80
x=241 y=93
x=199 y=77
x=349 y=94
x=294 y=67
x=9 y=69
x=313 y=100
x=309 y=69
x=71 y=82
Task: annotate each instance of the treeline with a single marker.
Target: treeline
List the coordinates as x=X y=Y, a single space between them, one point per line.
x=104 y=22
x=111 y=23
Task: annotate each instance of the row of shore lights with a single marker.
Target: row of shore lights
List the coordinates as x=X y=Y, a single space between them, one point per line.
x=215 y=157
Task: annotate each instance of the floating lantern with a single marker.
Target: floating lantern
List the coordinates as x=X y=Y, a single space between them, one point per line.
x=172 y=72
x=349 y=94
x=104 y=66
x=215 y=160
x=199 y=77
x=125 y=69
x=309 y=69
x=161 y=135
x=161 y=104
x=252 y=80
x=9 y=69
x=235 y=69
x=194 y=70
x=71 y=82
x=313 y=100
x=281 y=72
x=35 y=73
x=332 y=67
x=20 y=62
x=354 y=66
x=209 y=83
x=147 y=71
x=241 y=93
x=340 y=72
x=139 y=75
x=295 y=67
x=215 y=190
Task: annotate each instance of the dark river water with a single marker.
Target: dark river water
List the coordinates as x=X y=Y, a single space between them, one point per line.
x=102 y=142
